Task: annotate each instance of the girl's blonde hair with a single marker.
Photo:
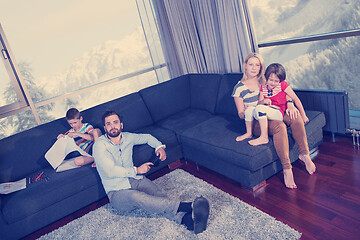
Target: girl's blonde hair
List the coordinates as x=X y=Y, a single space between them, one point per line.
x=261 y=76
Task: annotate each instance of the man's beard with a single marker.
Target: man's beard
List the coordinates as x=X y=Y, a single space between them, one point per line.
x=113 y=132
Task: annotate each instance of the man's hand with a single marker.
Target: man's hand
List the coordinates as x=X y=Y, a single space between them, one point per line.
x=161 y=154
x=144 y=168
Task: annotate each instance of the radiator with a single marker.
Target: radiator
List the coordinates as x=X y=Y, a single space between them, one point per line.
x=333 y=103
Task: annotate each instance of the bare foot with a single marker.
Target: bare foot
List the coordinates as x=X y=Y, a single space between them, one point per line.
x=244 y=136
x=93 y=165
x=289 y=178
x=310 y=166
x=259 y=141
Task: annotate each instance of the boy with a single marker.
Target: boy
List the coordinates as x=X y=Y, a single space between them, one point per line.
x=75 y=144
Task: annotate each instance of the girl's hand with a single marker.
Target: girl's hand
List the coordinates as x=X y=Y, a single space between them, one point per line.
x=267 y=101
x=305 y=119
x=292 y=112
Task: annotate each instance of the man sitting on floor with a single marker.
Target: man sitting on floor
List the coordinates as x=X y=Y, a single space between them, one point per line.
x=125 y=184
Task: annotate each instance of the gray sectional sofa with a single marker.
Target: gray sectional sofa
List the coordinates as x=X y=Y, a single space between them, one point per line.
x=194 y=115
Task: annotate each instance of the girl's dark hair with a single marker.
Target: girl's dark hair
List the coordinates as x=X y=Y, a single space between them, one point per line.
x=72 y=113
x=110 y=113
x=277 y=69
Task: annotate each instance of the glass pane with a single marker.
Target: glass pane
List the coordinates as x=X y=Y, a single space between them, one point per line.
x=328 y=64
x=277 y=19
x=16 y=123
x=7 y=92
x=97 y=96
x=68 y=45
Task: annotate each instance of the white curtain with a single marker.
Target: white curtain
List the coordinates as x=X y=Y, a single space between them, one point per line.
x=204 y=36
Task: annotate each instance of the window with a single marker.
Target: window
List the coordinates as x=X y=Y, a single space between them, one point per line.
x=72 y=53
x=326 y=64
x=12 y=96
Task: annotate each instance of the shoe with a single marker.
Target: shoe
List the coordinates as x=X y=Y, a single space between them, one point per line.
x=200 y=214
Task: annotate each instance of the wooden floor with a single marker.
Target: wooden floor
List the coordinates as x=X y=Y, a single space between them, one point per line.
x=324 y=206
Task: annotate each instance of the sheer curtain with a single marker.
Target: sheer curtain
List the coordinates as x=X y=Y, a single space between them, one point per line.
x=197 y=36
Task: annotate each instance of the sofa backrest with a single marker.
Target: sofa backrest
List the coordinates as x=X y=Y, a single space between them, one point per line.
x=23 y=153
x=204 y=90
x=225 y=103
x=167 y=98
x=132 y=108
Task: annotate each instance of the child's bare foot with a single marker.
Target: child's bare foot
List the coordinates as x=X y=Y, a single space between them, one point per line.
x=289 y=178
x=259 y=141
x=93 y=165
x=244 y=136
x=310 y=166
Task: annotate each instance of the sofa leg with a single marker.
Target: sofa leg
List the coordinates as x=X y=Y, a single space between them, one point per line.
x=175 y=165
x=197 y=167
x=257 y=187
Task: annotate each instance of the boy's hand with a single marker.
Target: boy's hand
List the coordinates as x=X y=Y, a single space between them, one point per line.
x=161 y=154
x=72 y=134
x=60 y=136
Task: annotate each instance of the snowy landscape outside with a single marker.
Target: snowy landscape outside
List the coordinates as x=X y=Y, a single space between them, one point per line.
x=67 y=46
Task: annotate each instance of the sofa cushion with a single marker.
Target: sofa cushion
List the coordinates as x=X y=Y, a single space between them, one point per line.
x=217 y=135
x=40 y=195
x=167 y=98
x=131 y=107
x=184 y=120
x=225 y=102
x=204 y=91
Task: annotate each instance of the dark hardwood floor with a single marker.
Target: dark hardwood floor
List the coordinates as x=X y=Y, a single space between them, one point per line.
x=325 y=205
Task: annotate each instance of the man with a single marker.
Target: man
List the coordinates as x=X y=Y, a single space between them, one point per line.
x=125 y=184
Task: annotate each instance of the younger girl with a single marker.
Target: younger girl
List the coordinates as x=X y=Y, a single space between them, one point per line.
x=279 y=99
x=246 y=91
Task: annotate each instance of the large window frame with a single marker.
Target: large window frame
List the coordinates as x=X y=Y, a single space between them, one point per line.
x=296 y=40
x=24 y=102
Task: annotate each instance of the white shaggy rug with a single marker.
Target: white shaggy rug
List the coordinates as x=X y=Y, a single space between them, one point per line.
x=230 y=218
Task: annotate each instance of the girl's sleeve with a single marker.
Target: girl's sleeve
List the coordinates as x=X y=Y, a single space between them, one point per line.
x=284 y=85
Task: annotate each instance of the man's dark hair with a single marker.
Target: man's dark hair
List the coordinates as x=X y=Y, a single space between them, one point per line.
x=72 y=113
x=110 y=113
x=277 y=69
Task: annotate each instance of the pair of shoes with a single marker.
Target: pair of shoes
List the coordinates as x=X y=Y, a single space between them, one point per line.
x=200 y=214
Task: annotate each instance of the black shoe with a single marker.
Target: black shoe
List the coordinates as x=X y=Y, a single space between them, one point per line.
x=200 y=214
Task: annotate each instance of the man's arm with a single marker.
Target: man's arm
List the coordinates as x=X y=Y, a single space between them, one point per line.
x=153 y=142
x=106 y=162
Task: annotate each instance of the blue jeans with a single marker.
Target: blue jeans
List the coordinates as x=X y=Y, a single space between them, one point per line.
x=144 y=194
